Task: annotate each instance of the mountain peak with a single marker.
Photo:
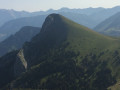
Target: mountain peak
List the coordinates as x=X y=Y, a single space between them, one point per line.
x=54 y=15
x=51 y=19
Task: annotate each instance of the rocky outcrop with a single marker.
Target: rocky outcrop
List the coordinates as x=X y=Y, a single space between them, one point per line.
x=20 y=65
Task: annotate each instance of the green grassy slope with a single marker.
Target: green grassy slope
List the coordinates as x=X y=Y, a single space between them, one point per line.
x=66 y=55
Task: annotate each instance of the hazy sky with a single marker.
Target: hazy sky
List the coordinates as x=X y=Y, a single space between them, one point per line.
x=37 y=5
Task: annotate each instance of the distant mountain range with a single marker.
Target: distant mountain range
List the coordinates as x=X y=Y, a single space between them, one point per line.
x=11 y=21
x=110 y=26
x=7 y=15
x=14 y=26
x=102 y=13
x=15 y=42
x=64 y=55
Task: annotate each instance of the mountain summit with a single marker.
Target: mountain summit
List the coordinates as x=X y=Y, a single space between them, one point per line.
x=64 y=55
x=51 y=19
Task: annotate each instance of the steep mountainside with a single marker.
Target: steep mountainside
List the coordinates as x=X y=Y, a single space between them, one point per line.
x=64 y=55
x=110 y=26
x=16 y=41
x=80 y=19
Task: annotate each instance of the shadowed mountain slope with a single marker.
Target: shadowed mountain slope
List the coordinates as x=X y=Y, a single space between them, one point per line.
x=15 y=42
